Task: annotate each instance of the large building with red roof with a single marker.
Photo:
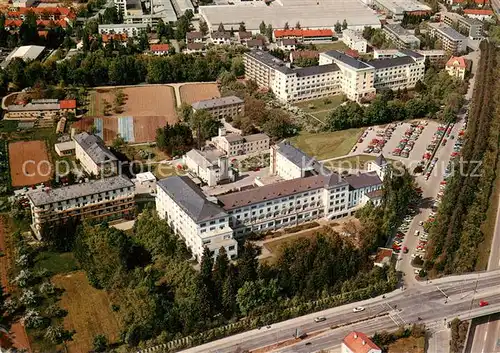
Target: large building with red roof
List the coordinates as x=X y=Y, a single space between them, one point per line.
x=480 y=14
x=358 y=342
x=305 y=35
x=43 y=13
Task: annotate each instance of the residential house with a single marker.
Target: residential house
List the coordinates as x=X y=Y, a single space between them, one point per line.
x=159 y=49
x=358 y=342
x=287 y=44
x=456 y=67
x=220 y=38
x=194 y=37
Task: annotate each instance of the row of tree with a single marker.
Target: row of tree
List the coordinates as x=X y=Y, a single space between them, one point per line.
x=457 y=233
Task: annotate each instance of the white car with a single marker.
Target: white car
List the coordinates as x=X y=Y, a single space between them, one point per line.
x=416 y=271
x=417 y=233
x=320 y=319
x=358 y=309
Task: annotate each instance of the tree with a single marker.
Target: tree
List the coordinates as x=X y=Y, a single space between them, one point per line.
x=174 y=139
x=185 y=112
x=221 y=28
x=262 y=28
x=100 y=343
x=279 y=125
x=269 y=32
x=286 y=26
x=297 y=25
x=255 y=294
x=338 y=27
x=248 y=263
x=203 y=28
x=229 y=291
x=417 y=30
x=344 y=24
x=242 y=27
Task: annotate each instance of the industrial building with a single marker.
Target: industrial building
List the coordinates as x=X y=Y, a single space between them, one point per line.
x=27 y=52
x=453 y=42
x=102 y=199
x=311 y=14
x=149 y=12
x=401 y=37
x=398 y=8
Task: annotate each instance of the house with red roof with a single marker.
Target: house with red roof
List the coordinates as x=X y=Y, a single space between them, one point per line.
x=456 y=67
x=358 y=342
x=159 y=49
x=43 y=13
x=478 y=3
x=304 y=35
x=479 y=14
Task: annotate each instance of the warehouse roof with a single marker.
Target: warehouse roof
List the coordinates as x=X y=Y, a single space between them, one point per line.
x=311 y=14
x=190 y=198
x=27 y=52
x=40 y=197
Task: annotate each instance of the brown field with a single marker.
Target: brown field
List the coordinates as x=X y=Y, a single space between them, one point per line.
x=38 y=171
x=89 y=311
x=191 y=93
x=141 y=101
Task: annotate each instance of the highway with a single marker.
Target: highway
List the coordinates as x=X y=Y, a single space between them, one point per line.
x=424 y=300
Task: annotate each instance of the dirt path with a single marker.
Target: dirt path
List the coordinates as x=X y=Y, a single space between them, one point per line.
x=18 y=335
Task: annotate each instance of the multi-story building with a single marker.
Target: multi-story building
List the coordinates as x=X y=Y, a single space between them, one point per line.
x=399 y=72
x=480 y=14
x=221 y=108
x=354 y=40
x=234 y=144
x=291 y=84
x=200 y=221
x=210 y=165
x=471 y=27
x=304 y=35
x=435 y=57
x=94 y=157
x=103 y=199
x=456 y=67
x=131 y=30
x=358 y=342
x=398 y=8
x=356 y=78
x=401 y=37
x=287 y=44
x=41 y=109
x=452 y=41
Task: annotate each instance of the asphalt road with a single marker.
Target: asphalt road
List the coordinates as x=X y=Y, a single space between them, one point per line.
x=425 y=300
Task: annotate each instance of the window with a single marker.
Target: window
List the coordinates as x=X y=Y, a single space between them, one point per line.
x=231 y=248
x=212 y=222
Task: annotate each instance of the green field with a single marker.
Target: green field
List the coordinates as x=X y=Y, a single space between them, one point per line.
x=321 y=108
x=338 y=45
x=56 y=262
x=327 y=145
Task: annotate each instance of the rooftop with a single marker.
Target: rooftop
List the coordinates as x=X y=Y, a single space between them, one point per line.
x=27 y=52
x=123 y=25
x=159 y=47
x=346 y=59
x=280 y=33
x=316 y=70
x=94 y=146
x=383 y=256
x=311 y=14
x=255 y=43
x=205 y=159
x=401 y=33
x=457 y=61
x=279 y=190
x=447 y=31
x=40 y=198
x=217 y=102
x=486 y=12
x=358 y=342
x=391 y=62
x=190 y=198
x=295 y=155
x=355 y=35
x=358 y=181
x=194 y=35
x=195 y=46
x=380 y=160
x=402 y=6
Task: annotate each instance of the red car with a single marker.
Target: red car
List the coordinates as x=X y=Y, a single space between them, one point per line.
x=405 y=250
x=483 y=303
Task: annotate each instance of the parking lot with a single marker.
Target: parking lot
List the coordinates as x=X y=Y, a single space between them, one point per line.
x=405 y=141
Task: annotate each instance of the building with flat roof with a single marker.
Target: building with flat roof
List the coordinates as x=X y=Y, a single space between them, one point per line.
x=139 y=12
x=354 y=40
x=45 y=111
x=26 y=53
x=131 y=29
x=210 y=165
x=453 y=42
x=311 y=14
x=236 y=145
x=398 y=8
x=102 y=200
x=399 y=72
x=198 y=219
x=436 y=57
x=221 y=108
x=401 y=37
x=95 y=158
x=470 y=27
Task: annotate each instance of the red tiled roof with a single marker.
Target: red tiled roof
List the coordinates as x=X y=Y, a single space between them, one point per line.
x=457 y=61
x=67 y=104
x=159 y=47
x=61 y=12
x=486 y=12
x=279 y=33
x=117 y=37
x=477 y=2
x=13 y=23
x=358 y=342
x=382 y=253
x=353 y=53
x=49 y=23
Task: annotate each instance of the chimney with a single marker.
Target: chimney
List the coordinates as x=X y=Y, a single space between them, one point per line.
x=355 y=335
x=363 y=342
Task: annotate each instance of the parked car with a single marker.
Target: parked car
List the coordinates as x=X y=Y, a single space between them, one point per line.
x=358 y=309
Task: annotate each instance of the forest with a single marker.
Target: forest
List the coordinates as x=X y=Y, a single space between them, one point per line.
x=456 y=234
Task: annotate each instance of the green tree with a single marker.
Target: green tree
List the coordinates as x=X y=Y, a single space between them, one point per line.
x=297 y=25
x=248 y=263
x=269 y=32
x=344 y=24
x=221 y=28
x=242 y=27
x=262 y=28
x=338 y=27
x=287 y=26
x=203 y=28
x=100 y=343
x=255 y=294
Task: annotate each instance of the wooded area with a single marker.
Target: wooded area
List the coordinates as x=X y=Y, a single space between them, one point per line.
x=456 y=232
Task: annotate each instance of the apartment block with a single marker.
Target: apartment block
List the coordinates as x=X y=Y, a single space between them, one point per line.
x=399 y=72
x=94 y=157
x=354 y=40
x=291 y=84
x=200 y=221
x=453 y=42
x=131 y=30
x=235 y=145
x=470 y=27
x=210 y=165
x=402 y=38
x=222 y=108
x=102 y=200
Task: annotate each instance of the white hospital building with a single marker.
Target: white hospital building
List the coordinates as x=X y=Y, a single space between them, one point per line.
x=305 y=191
x=337 y=73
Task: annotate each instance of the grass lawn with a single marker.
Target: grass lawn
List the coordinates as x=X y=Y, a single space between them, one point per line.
x=56 y=263
x=327 y=145
x=8 y=125
x=89 y=311
x=322 y=115
x=321 y=104
x=338 y=45
x=408 y=345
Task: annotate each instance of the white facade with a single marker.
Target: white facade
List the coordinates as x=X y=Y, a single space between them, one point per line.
x=131 y=30
x=93 y=155
x=23 y=3
x=453 y=42
x=211 y=167
x=200 y=222
x=235 y=145
x=354 y=40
